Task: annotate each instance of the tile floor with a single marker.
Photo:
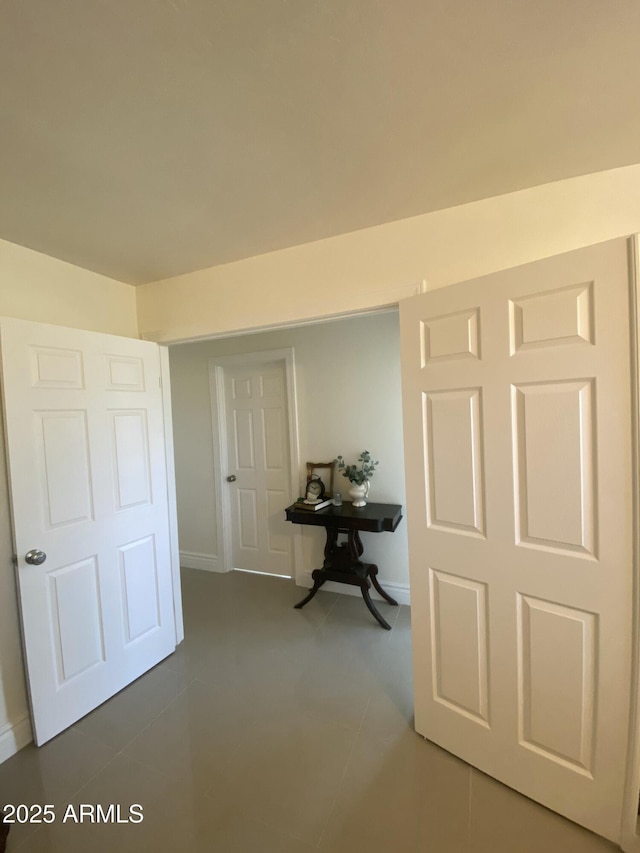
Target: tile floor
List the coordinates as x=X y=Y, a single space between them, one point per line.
x=273 y=730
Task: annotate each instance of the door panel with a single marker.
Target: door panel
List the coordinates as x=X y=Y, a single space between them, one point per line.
x=244 y=442
x=62 y=444
x=563 y=316
x=567 y=735
x=124 y=373
x=543 y=468
x=459 y=646
x=56 y=368
x=140 y=587
x=247 y=519
x=453 y=444
x=87 y=470
x=517 y=414
x=274 y=435
x=130 y=458
x=77 y=623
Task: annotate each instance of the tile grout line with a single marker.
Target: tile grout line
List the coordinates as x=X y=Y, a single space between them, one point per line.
x=395 y=621
x=159 y=714
x=330 y=610
x=342 y=778
x=344 y=772
x=95 y=775
x=120 y=752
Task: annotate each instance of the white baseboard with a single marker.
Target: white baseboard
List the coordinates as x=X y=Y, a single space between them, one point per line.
x=205 y=562
x=400 y=592
x=13 y=736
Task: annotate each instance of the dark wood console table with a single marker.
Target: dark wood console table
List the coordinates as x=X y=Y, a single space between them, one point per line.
x=342 y=562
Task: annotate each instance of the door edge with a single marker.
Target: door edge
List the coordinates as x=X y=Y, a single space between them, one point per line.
x=629 y=837
x=172 y=506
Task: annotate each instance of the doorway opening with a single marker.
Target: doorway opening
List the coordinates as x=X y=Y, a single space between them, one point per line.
x=347 y=398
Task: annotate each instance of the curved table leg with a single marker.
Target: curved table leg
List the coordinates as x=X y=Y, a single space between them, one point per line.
x=373 y=574
x=372 y=608
x=318 y=582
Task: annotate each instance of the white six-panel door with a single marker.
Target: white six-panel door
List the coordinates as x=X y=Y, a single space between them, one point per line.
x=86 y=454
x=519 y=505
x=258 y=457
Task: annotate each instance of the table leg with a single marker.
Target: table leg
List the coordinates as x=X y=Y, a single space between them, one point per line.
x=364 y=589
x=317 y=583
x=373 y=574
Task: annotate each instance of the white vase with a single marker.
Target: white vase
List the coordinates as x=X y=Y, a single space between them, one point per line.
x=359 y=493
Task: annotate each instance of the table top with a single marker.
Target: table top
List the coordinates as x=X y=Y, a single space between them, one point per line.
x=372 y=517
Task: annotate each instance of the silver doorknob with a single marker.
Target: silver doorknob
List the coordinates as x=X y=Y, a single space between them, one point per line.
x=35 y=557
x=231 y=478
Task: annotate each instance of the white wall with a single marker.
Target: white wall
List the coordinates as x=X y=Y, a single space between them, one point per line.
x=379 y=266
x=43 y=289
x=348 y=383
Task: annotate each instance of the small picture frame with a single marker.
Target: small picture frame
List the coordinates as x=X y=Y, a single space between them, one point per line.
x=324 y=470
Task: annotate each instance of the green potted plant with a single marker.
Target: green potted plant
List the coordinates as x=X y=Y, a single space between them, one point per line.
x=358 y=475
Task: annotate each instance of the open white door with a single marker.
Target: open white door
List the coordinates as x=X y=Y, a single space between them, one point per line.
x=517 y=418
x=87 y=472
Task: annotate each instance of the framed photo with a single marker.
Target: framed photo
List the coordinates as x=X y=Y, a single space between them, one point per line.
x=324 y=470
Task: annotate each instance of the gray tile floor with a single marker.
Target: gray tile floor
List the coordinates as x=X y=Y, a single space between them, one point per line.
x=273 y=730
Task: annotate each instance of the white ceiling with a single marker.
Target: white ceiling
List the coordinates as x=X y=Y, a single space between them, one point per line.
x=147 y=138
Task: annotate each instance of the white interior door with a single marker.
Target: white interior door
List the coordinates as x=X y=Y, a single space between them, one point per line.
x=87 y=471
x=258 y=458
x=519 y=504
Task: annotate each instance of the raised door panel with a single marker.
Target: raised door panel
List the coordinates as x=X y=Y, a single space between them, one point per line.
x=124 y=373
x=243 y=440
x=76 y=619
x=130 y=442
x=271 y=384
x=247 y=518
x=459 y=646
x=450 y=337
x=241 y=388
x=557 y=682
x=274 y=439
x=140 y=587
x=54 y=367
x=452 y=430
x=554 y=441
x=551 y=318
x=62 y=444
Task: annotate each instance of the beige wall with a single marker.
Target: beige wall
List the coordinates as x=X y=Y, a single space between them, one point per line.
x=378 y=266
x=36 y=287
x=348 y=390
x=46 y=290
